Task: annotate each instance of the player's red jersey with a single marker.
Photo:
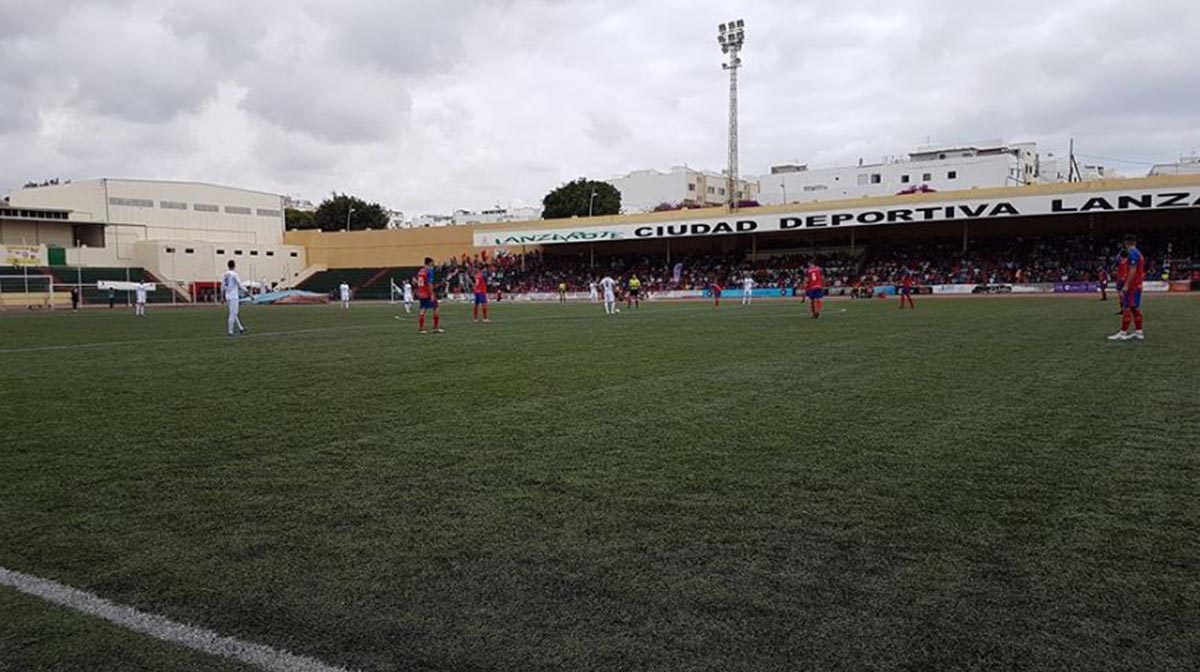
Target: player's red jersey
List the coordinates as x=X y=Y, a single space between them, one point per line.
x=480 y=283
x=424 y=286
x=1123 y=269
x=1137 y=270
x=813 y=279
x=908 y=280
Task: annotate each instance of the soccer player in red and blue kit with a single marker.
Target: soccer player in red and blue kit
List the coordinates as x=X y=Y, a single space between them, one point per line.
x=814 y=289
x=906 y=288
x=481 y=295
x=1131 y=298
x=428 y=298
x=716 y=290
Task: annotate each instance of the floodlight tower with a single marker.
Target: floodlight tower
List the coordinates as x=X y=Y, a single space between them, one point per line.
x=731 y=36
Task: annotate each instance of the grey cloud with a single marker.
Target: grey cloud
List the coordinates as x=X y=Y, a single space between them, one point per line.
x=436 y=105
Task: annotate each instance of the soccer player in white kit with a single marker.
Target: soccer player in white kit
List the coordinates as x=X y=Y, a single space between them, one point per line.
x=408 y=296
x=747 y=290
x=610 y=294
x=344 y=289
x=232 y=289
x=139 y=305
x=593 y=294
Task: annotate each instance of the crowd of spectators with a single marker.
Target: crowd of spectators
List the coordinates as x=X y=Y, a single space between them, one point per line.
x=992 y=260
x=1028 y=259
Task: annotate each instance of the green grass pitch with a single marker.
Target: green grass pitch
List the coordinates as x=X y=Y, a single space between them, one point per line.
x=975 y=485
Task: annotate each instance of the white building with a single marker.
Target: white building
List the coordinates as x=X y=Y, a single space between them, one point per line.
x=395 y=219
x=992 y=164
x=1188 y=165
x=496 y=214
x=427 y=220
x=183 y=231
x=645 y=190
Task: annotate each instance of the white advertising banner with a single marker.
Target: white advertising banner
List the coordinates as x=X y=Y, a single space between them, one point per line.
x=23 y=255
x=1043 y=288
x=1102 y=200
x=953 y=289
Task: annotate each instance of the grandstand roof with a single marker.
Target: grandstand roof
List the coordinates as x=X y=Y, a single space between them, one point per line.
x=917 y=199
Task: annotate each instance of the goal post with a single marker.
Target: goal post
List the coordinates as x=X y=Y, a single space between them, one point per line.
x=32 y=292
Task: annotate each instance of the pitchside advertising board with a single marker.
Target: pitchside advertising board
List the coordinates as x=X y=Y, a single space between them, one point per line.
x=1113 y=200
x=22 y=255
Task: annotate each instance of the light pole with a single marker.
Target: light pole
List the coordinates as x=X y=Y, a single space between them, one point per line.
x=348 y=213
x=731 y=36
x=591 y=203
x=783 y=186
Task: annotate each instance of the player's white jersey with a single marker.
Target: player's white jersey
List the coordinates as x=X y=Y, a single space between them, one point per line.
x=345 y=290
x=408 y=295
x=748 y=284
x=141 y=294
x=609 y=285
x=231 y=286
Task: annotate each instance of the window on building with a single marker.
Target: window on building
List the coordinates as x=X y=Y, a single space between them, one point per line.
x=815 y=187
x=691 y=187
x=266 y=212
x=942 y=156
x=254 y=253
x=220 y=251
x=270 y=253
x=904 y=179
x=295 y=254
x=952 y=175
x=925 y=177
x=237 y=252
x=721 y=191
x=189 y=250
x=130 y=202
x=712 y=190
x=172 y=205
x=170 y=250
x=236 y=210
x=204 y=207
x=876 y=178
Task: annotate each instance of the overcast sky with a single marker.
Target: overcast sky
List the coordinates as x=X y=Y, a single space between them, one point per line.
x=429 y=106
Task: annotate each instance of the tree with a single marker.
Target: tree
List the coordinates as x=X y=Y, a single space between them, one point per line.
x=331 y=214
x=295 y=220
x=574 y=198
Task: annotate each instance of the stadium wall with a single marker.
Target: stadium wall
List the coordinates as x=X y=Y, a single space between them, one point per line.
x=408 y=247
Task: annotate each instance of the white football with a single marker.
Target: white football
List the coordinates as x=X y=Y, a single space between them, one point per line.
x=618 y=310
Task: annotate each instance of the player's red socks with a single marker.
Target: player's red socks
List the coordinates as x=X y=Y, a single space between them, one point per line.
x=421 y=322
x=1137 y=319
x=1126 y=318
x=437 y=320
x=485 y=311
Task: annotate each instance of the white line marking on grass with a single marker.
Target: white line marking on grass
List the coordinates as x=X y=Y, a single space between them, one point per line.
x=158 y=627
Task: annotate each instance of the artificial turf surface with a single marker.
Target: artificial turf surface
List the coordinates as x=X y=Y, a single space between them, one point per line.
x=977 y=484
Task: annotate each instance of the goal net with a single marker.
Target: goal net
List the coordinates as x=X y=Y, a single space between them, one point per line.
x=33 y=292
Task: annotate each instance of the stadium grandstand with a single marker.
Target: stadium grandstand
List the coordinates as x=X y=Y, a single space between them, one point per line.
x=1047 y=235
